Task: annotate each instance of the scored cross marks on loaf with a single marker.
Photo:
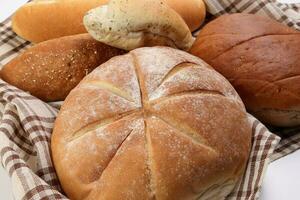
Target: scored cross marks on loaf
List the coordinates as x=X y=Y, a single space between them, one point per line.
x=146 y=110
x=149 y=122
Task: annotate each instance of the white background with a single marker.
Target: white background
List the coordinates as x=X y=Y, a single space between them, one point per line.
x=281 y=182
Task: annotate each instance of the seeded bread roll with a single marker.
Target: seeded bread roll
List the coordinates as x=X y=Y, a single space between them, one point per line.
x=156 y=123
x=49 y=70
x=260 y=57
x=129 y=24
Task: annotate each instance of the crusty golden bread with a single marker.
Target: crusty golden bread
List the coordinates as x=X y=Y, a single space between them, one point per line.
x=47 y=19
x=192 y=11
x=260 y=57
x=156 y=123
x=38 y=21
x=130 y=24
x=49 y=70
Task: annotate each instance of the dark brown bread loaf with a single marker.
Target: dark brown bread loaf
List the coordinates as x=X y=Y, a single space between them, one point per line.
x=49 y=70
x=261 y=58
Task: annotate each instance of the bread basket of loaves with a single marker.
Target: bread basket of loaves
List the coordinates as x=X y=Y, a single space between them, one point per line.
x=147 y=99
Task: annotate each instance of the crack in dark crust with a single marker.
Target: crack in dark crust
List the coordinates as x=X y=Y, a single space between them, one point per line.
x=248 y=40
x=268 y=84
x=286 y=78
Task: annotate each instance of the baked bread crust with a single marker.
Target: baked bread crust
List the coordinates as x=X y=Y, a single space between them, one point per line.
x=129 y=24
x=260 y=57
x=156 y=123
x=51 y=69
x=42 y=20
x=192 y=11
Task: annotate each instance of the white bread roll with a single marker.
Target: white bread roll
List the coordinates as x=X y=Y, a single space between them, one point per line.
x=156 y=123
x=46 y=19
x=129 y=24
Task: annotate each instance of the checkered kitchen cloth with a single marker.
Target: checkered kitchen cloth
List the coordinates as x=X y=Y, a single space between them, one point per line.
x=26 y=123
x=288 y=14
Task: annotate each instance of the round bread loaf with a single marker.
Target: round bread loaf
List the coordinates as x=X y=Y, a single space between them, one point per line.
x=156 y=123
x=260 y=57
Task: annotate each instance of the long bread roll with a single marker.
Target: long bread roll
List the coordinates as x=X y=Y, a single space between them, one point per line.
x=192 y=11
x=42 y=20
x=49 y=70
